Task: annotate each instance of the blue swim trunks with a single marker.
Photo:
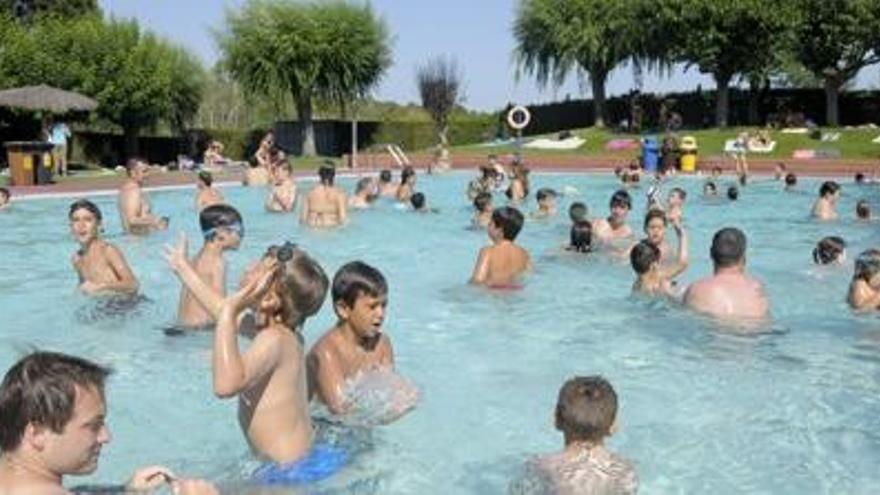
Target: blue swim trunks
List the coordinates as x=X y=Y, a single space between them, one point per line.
x=321 y=462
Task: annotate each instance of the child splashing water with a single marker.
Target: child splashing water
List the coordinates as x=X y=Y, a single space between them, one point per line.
x=351 y=367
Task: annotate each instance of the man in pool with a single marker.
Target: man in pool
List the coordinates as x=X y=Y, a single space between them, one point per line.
x=101 y=266
x=206 y=195
x=823 y=208
x=502 y=264
x=614 y=228
x=864 y=289
x=357 y=344
x=222 y=229
x=325 y=205
x=134 y=205
x=729 y=293
x=586 y=414
x=52 y=425
x=282 y=195
x=387 y=187
x=283 y=289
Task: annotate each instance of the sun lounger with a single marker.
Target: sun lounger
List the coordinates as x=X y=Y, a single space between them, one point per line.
x=621 y=145
x=572 y=143
x=758 y=147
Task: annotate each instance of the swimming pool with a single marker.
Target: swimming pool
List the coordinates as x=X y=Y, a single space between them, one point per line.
x=794 y=411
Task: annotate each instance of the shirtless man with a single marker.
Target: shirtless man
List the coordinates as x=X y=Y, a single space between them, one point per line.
x=501 y=265
x=206 y=195
x=357 y=344
x=134 y=206
x=325 y=206
x=730 y=293
x=54 y=425
x=282 y=196
x=101 y=266
x=864 y=289
x=614 y=228
x=829 y=193
x=387 y=187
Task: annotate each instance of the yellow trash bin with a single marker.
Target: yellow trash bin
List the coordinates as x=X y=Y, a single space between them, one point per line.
x=688 y=149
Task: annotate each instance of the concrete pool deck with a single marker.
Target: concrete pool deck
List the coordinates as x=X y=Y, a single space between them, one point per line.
x=463 y=161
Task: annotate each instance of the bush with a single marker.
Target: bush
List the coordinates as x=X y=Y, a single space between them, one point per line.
x=412 y=136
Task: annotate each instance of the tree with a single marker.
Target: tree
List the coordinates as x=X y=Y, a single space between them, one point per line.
x=332 y=51
x=554 y=37
x=439 y=83
x=26 y=9
x=835 y=40
x=724 y=38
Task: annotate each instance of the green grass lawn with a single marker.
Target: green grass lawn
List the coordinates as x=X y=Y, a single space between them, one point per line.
x=853 y=143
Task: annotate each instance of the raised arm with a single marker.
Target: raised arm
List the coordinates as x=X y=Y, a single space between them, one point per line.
x=682 y=262
x=208 y=296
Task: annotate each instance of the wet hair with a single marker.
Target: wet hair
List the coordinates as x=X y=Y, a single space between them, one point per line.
x=732 y=193
x=219 y=216
x=327 y=174
x=362 y=185
x=5 y=193
x=357 y=279
x=417 y=201
x=621 y=198
x=643 y=255
x=509 y=220
x=790 y=179
x=828 y=250
x=680 y=192
x=482 y=200
x=545 y=193
x=132 y=164
x=728 y=247
x=84 y=204
x=406 y=173
x=586 y=408
x=867 y=265
x=578 y=211
x=652 y=214
x=860 y=178
x=301 y=285
x=863 y=210
x=828 y=187
x=581 y=236
x=41 y=389
x=206 y=177
x=711 y=187
x=385 y=176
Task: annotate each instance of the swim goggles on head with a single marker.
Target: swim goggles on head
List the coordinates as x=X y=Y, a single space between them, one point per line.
x=283 y=252
x=235 y=227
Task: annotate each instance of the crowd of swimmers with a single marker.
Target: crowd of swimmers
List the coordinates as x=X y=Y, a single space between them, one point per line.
x=52 y=406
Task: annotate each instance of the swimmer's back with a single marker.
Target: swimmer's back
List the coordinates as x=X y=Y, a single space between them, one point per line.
x=729 y=297
x=507 y=262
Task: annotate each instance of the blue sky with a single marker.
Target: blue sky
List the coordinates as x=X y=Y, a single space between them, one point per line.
x=476 y=32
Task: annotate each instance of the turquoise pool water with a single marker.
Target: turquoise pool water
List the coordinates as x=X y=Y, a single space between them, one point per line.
x=794 y=411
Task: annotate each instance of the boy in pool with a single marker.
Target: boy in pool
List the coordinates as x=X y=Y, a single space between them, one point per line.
x=823 y=208
x=501 y=264
x=864 y=290
x=830 y=250
x=419 y=203
x=614 y=228
x=482 y=210
x=206 y=195
x=586 y=414
x=387 y=187
x=546 y=203
x=283 y=289
x=5 y=196
x=732 y=193
x=356 y=345
x=710 y=189
x=675 y=204
x=863 y=210
x=790 y=181
x=223 y=230
x=101 y=266
x=282 y=196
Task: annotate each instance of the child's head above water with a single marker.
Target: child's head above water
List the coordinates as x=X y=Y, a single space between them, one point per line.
x=222 y=223
x=299 y=287
x=4 y=196
x=581 y=236
x=620 y=199
x=732 y=193
x=677 y=196
x=586 y=409
x=860 y=178
x=829 y=250
x=577 y=212
x=355 y=280
x=710 y=189
x=508 y=221
x=205 y=178
x=417 y=201
x=790 y=180
x=385 y=176
x=545 y=195
x=828 y=188
x=483 y=202
x=643 y=256
x=863 y=210
x=867 y=265
x=88 y=206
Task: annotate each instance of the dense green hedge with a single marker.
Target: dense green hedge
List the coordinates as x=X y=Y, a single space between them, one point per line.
x=413 y=136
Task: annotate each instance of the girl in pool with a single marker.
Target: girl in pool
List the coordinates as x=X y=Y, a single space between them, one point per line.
x=864 y=290
x=519 y=183
x=100 y=265
x=407 y=184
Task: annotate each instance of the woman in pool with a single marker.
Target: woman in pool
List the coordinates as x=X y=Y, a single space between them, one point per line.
x=100 y=265
x=864 y=290
x=407 y=184
x=325 y=205
x=365 y=192
x=519 y=183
